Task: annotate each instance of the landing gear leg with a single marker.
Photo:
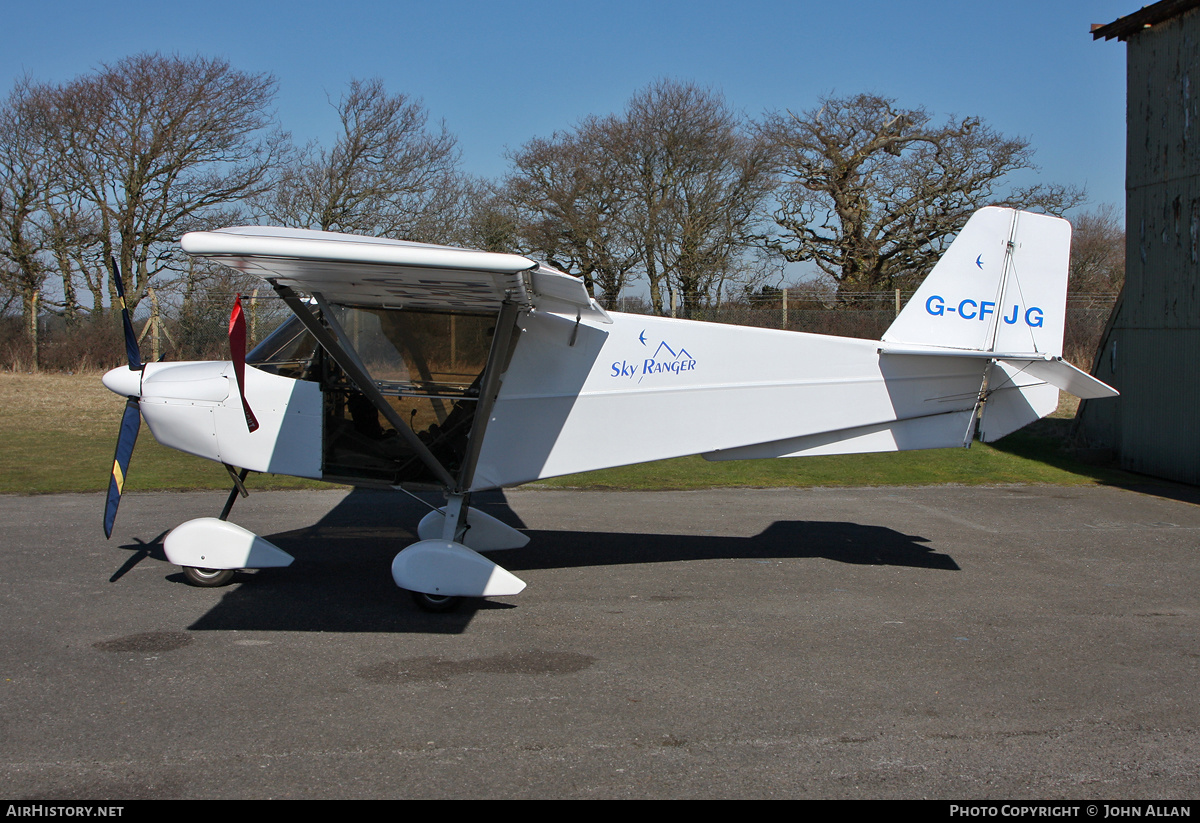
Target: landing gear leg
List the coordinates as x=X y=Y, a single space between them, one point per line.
x=239 y=488
x=453 y=529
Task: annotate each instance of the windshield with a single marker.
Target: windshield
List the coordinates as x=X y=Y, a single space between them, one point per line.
x=289 y=351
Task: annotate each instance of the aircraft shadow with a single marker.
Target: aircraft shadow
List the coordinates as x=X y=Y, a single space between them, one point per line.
x=785 y=539
x=341 y=579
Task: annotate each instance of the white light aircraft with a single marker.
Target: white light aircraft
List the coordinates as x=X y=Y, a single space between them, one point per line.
x=414 y=366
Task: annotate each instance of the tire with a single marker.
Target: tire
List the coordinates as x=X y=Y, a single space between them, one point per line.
x=435 y=603
x=207 y=578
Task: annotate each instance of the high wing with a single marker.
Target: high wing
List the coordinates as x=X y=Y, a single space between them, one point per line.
x=371 y=271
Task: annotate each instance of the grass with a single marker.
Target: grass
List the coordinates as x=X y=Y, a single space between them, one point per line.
x=1019 y=458
x=59 y=431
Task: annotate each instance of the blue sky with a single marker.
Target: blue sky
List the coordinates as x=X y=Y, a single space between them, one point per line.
x=499 y=73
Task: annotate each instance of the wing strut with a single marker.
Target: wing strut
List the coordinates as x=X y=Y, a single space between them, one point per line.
x=345 y=358
x=506 y=323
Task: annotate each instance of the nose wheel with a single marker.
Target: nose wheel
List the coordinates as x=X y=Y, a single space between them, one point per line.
x=435 y=603
x=207 y=578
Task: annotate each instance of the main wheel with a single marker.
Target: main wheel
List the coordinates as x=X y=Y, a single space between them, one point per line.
x=435 y=603
x=207 y=578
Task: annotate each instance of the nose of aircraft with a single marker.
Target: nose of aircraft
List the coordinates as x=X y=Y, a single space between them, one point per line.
x=123 y=381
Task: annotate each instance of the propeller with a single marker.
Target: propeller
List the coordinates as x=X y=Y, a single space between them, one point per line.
x=127 y=381
x=131 y=421
x=123 y=381
x=237 y=350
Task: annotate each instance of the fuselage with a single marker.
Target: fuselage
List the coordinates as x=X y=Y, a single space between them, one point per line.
x=578 y=395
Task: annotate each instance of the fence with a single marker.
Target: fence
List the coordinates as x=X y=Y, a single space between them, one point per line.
x=198 y=331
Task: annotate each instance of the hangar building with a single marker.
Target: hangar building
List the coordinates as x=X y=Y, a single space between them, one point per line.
x=1151 y=348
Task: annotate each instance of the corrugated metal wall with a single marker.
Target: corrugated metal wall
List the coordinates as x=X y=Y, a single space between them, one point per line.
x=1152 y=353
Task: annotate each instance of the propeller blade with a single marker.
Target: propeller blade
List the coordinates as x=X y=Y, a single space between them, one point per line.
x=237 y=349
x=131 y=421
x=131 y=345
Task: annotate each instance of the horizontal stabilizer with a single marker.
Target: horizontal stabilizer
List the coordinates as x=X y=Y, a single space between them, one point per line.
x=1053 y=370
x=1062 y=374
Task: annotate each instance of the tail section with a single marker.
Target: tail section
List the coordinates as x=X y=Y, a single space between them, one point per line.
x=1000 y=287
x=978 y=348
x=999 y=294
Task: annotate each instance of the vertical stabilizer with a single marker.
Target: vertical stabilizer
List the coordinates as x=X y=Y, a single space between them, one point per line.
x=1001 y=286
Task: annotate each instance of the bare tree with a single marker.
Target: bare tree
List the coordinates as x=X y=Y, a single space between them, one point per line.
x=1097 y=251
x=25 y=180
x=569 y=204
x=491 y=222
x=694 y=181
x=153 y=146
x=872 y=192
x=667 y=189
x=387 y=175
